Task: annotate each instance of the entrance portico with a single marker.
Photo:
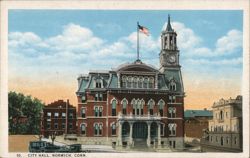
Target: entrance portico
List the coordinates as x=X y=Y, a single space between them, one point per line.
x=143 y=128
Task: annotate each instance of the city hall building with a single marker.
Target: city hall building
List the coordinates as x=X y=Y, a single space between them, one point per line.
x=135 y=104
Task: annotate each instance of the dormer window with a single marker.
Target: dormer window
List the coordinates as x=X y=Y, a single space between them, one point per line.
x=172 y=85
x=98 y=83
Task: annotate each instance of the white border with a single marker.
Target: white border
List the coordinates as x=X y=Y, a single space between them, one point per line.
x=129 y=5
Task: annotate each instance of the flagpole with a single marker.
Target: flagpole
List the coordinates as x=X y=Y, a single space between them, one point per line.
x=138 y=40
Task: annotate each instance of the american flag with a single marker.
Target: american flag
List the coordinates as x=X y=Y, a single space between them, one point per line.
x=143 y=30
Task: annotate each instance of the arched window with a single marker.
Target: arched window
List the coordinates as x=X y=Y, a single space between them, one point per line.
x=124 y=106
x=83 y=129
x=129 y=83
x=135 y=82
x=140 y=83
x=138 y=106
x=96 y=128
x=145 y=83
x=133 y=103
x=98 y=83
x=151 y=82
x=172 y=129
x=161 y=104
x=124 y=80
x=172 y=85
x=151 y=104
x=114 y=103
x=142 y=105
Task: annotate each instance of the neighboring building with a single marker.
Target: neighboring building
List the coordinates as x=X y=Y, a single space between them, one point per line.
x=134 y=104
x=59 y=117
x=225 y=129
x=195 y=122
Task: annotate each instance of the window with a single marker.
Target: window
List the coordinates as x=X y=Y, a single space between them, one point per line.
x=150 y=106
x=63 y=115
x=124 y=79
x=172 y=99
x=83 y=112
x=140 y=82
x=56 y=114
x=83 y=129
x=161 y=105
x=135 y=82
x=63 y=125
x=151 y=82
x=172 y=85
x=100 y=111
x=48 y=125
x=71 y=115
x=83 y=99
x=98 y=97
x=134 y=105
x=124 y=106
x=211 y=138
x=113 y=128
x=129 y=82
x=49 y=114
x=172 y=112
x=96 y=111
x=145 y=83
x=114 y=107
x=227 y=139
x=98 y=129
x=172 y=129
x=70 y=125
x=98 y=83
x=235 y=140
x=56 y=125
x=221 y=115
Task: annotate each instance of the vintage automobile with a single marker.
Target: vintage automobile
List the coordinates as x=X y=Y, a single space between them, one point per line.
x=43 y=146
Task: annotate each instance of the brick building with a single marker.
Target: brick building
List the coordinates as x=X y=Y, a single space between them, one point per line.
x=135 y=103
x=59 y=117
x=196 y=121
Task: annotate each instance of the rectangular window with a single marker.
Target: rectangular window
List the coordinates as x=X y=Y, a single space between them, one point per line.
x=83 y=129
x=63 y=125
x=48 y=125
x=133 y=111
x=100 y=111
x=56 y=125
x=96 y=97
x=83 y=99
x=162 y=130
x=161 y=112
x=173 y=144
x=141 y=111
x=100 y=130
x=100 y=96
x=71 y=115
x=49 y=114
x=70 y=125
x=63 y=115
x=83 y=112
x=56 y=114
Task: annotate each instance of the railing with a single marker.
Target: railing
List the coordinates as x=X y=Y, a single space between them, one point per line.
x=139 y=117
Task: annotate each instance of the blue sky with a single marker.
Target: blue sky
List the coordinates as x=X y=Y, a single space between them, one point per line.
x=70 y=42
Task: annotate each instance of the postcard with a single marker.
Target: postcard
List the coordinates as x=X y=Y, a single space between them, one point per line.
x=124 y=78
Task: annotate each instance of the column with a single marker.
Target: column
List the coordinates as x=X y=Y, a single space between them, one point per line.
x=120 y=134
x=159 y=135
x=149 y=136
x=131 y=133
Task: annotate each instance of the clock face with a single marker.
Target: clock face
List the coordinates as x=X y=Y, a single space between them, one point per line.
x=171 y=58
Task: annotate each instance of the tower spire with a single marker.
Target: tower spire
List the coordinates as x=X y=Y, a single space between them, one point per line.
x=169 y=27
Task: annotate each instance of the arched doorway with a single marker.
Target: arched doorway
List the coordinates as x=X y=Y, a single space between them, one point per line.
x=153 y=129
x=125 y=129
x=140 y=130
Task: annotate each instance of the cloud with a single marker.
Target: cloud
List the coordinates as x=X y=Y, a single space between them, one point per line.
x=77 y=49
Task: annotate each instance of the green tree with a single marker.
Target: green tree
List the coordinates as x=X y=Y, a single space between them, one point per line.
x=24 y=106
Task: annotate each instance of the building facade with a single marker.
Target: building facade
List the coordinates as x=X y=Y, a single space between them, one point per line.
x=58 y=118
x=135 y=104
x=225 y=129
x=195 y=123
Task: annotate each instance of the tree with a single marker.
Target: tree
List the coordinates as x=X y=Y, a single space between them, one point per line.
x=24 y=114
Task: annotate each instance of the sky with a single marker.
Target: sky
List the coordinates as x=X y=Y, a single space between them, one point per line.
x=49 y=49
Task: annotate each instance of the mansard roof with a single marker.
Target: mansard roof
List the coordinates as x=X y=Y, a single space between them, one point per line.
x=138 y=65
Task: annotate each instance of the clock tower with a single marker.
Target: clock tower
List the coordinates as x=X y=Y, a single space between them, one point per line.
x=169 y=55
